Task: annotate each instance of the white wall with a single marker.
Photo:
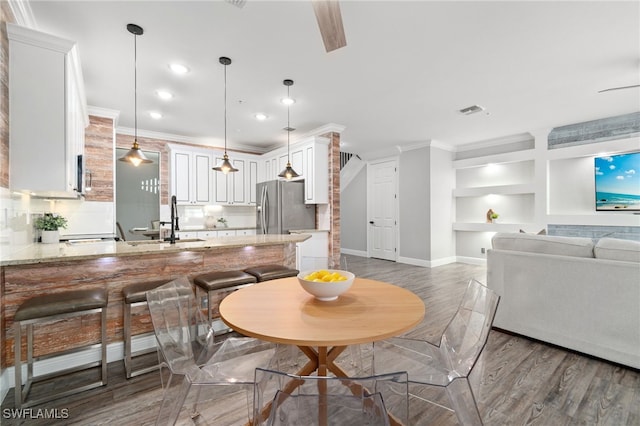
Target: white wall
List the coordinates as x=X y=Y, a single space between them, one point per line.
x=414 y=205
x=353 y=214
x=442 y=208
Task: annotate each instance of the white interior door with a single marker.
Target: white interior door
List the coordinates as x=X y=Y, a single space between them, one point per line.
x=382 y=209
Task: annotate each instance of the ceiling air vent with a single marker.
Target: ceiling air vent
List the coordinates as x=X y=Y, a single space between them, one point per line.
x=472 y=109
x=239 y=3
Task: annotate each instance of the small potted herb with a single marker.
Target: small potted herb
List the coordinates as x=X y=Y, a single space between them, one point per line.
x=223 y=222
x=49 y=226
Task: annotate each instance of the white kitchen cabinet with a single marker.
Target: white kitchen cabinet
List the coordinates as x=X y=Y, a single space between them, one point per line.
x=313 y=253
x=237 y=188
x=226 y=233
x=252 y=180
x=316 y=176
x=191 y=176
x=207 y=234
x=246 y=232
x=47 y=113
x=184 y=235
x=310 y=159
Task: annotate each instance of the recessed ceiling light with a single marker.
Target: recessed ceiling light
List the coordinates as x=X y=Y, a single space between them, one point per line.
x=178 y=68
x=163 y=94
x=155 y=115
x=260 y=116
x=288 y=101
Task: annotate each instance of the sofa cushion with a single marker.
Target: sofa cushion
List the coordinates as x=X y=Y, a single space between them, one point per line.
x=616 y=249
x=565 y=246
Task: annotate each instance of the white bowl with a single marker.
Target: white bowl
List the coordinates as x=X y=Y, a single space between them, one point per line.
x=326 y=291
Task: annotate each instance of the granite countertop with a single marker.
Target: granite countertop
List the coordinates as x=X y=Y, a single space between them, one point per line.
x=217 y=228
x=43 y=253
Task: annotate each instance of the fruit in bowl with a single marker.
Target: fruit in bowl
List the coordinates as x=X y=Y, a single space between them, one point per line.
x=326 y=284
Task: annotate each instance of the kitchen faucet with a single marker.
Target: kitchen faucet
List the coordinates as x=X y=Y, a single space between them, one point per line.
x=174 y=220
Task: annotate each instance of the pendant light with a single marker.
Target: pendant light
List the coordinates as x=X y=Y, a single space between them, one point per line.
x=135 y=155
x=288 y=173
x=225 y=167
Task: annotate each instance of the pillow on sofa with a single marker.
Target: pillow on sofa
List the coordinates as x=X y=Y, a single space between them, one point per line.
x=565 y=246
x=616 y=249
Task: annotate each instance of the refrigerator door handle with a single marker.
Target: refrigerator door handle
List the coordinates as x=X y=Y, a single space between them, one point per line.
x=262 y=208
x=265 y=210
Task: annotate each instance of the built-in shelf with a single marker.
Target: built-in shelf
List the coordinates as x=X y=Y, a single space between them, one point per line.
x=507 y=157
x=527 y=188
x=492 y=227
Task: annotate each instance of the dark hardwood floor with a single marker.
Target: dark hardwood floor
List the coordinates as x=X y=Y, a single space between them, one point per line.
x=517 y=381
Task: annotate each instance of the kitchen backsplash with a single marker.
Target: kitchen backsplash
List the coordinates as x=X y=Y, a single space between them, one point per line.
x=97 y=218
x=193 y=217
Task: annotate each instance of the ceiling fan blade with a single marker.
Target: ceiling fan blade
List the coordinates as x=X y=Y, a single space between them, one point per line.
x=330 y=23
x=618 y=88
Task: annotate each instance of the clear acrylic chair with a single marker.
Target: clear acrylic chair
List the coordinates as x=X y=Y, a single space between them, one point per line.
x=188 y=350
x=312 y=400
x=449 y=363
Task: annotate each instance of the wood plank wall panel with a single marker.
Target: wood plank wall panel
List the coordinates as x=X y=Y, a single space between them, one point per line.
x=334 y=197
x=5 y=16
x=23 y=282
x=98 y=152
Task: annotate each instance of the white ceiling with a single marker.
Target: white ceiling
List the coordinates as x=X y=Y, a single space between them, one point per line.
x=407 y=69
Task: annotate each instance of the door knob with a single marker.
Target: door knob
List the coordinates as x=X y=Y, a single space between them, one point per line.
x=371 y=222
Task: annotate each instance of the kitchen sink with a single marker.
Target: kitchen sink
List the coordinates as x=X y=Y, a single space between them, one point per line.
x=145 y=242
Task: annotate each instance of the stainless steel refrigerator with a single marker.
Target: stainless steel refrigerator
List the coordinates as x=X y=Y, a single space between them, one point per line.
x=281 y=207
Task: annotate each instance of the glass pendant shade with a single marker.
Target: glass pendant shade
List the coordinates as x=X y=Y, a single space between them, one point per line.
x=288 y=173
x=225 y=166
x=135 y=155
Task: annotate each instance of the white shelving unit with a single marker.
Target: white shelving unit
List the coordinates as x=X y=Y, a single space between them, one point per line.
x=530 y=188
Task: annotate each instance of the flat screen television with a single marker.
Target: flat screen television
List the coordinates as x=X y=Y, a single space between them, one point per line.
x=617 y=179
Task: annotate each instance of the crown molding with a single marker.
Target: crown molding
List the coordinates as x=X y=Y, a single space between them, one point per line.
x=104 y=113
x=22 y=13
x=326 y=128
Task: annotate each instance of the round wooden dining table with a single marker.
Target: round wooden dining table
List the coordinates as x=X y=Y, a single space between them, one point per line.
x=280 y=311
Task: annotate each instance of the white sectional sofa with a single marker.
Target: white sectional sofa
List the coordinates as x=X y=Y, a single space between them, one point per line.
x=569 y=292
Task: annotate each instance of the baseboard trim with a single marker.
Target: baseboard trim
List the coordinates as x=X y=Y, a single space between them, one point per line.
x=115 y=352
x=471 y=260
x=352 y=252
x=426 y=263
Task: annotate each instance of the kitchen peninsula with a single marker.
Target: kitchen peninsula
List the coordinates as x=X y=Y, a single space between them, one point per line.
x=45 y=268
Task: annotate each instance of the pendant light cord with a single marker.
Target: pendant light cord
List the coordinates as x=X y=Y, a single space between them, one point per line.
x=135 y=87
x=225 y=109
x=288 y=129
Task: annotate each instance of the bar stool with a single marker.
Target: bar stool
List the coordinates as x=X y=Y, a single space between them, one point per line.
x=214 y=283
x=136 y=295
x=271 y=272
x=52 y=307
x=274 y=272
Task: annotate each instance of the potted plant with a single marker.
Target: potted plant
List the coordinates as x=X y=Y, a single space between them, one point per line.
x=49 y=226
x=223 y=222
x=494 y=217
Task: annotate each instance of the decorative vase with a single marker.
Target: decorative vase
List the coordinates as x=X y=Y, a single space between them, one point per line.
x=50 y=237
x=210 y=222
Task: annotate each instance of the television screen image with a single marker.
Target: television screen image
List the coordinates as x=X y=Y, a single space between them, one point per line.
x=618 y=182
